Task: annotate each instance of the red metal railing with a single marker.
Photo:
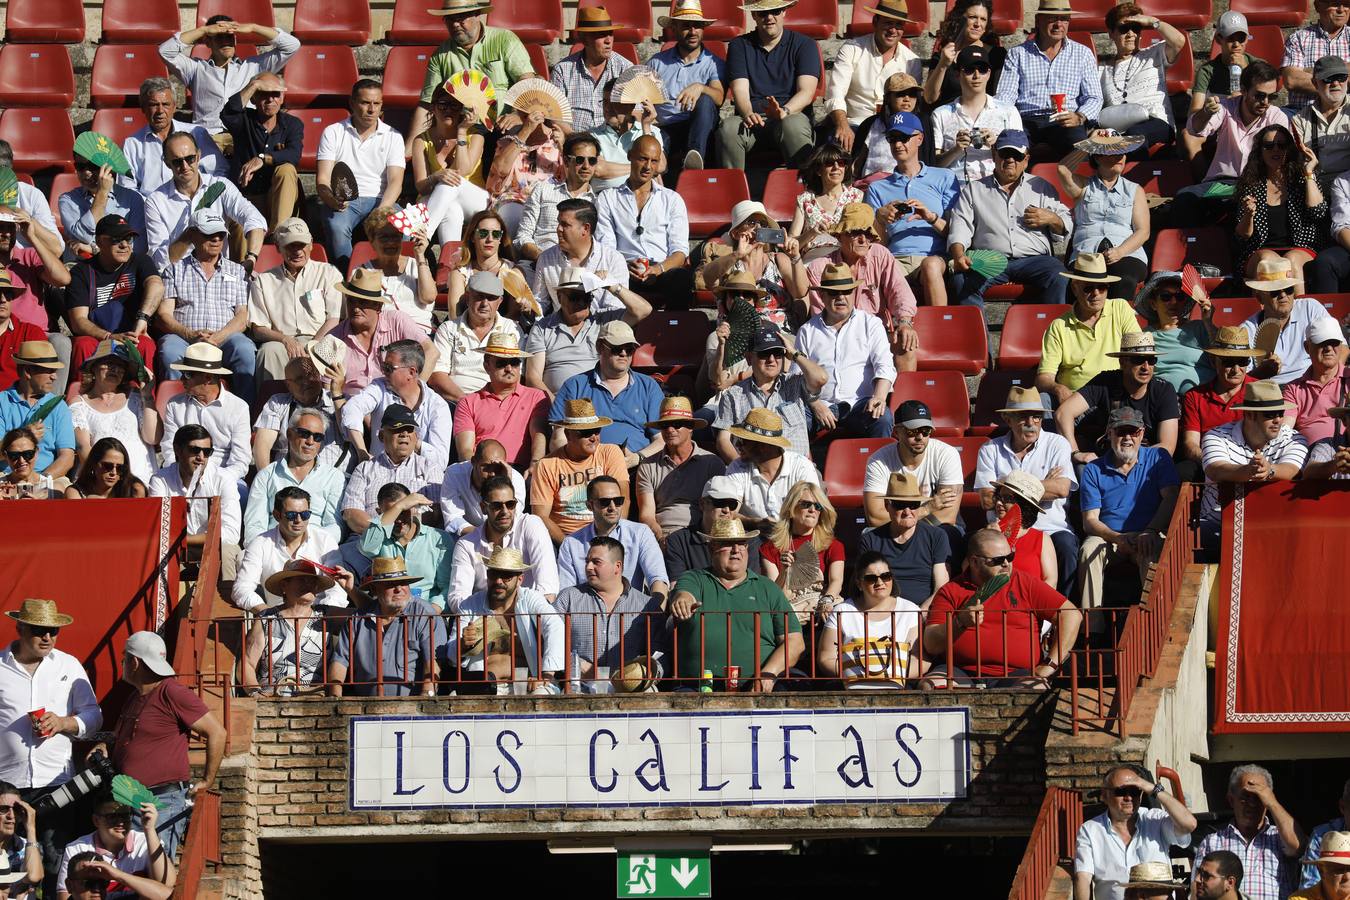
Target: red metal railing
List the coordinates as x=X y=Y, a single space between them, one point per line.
x=200 y=846
x=1052 y=840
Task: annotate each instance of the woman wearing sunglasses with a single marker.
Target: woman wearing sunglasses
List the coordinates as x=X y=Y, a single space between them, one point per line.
x=1281 y=211
x=486 y=247
x=1134 y=82
x=111 y=405
x=407 y=280
x=447 y=160
x=815 y=582
x=1033 y=553
x=867 y=641
x=1179 y=339
x=105 y=474
x=823 y=201
x=23 y=481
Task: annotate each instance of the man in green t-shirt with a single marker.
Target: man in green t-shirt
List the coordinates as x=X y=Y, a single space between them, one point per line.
x=1215 y=75
x=717 y=605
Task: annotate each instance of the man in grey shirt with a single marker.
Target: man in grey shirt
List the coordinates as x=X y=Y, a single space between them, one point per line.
x=397 y=633
x=771 y=387
x=1012 y=213
x=538 y=229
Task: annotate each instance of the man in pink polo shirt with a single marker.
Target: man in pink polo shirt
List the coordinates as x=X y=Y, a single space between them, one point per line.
x=504 y=409
x=28 y=268
x=373 y=323
x=1323 y=385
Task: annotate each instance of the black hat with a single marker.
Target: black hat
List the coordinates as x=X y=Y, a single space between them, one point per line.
x=914 y=414
x=114 y=226
x=768 y=339
x=396 y=415
x=973 y=55
x=1328 y=66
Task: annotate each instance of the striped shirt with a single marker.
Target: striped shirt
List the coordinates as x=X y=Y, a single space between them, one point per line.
x=1030 y=77
x=1267 y=874
x=598 y=635
x=201 y=303
x=1306 y=46
x=1227 y=444
x=586 y=94
x=417 y=473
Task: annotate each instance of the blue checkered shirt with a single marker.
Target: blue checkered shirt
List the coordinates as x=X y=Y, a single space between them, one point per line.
x=1305 y=47
x=1029 y=78
x=199 y=304
x=586 y=95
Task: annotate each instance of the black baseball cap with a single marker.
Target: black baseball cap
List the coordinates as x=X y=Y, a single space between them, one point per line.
x=396 y=415
x=768 y=339
x=974 y=55
x=114 y=226
x=914 y=414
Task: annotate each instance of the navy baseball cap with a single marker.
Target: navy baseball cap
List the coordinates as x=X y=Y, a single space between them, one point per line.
x=914 y=414
x=114 y=226
x=1014 y=138
x=396 y=415
x=904 y=122
x=768 y=338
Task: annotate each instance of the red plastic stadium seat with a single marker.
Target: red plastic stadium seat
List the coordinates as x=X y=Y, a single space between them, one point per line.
x=1337 y=304
x=632 y=18
x=1270 y=12
x=626 y=49
x=139 y=21
x=332 y=21
x=952 y=338
x=42 y=138
x=414 y=25
x=322 y=75
x=1233 y=310
x=36 y=75
x=1181 y=73
x=259 y=12
x=820 y=82
x=270 y=256
x=968 y=448
x=315 y=121
x=1177 y=246
x=1023 y=327
x=164 y=392
x=946 y=396
x=846 y=468
x=1090 y=15
x=1047 y=171
x=1084 y=38
x=119 y=70
x=730 y=22
x=860 y=21
x=1182 y=14
x=993 y=394
x=780 y=194
x=533 y=21
x=266 y=390
x=44 y=21
x=1164 y=177
x=118 y=124
x=851 y=524
x=709 y=195
x=405 y=70
x=538 y=59
x=63 y=182
x=1265 y=41
x=671 y=340
x=817 y=19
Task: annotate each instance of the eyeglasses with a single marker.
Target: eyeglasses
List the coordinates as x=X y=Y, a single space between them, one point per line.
x=1127 y=792
x=106 y=466
x=6 y=810
x=499 y=575
x=25 y=455
x=771 y=354
x=621 y=349
x=1168 y=296
x=876 y=578
x=115 y=818
x=1261 y=96
x=1130 y=28
x=974 y=70
x=1142 y=360
x=580 y=160
x=387 y=369
x=834 y=164
x=118 y=241
x=499 y=505
x=400 y=429
x=1274 y=414
x=182 y=161
x=195 y=450
x=903 y=504
x=1005 y=499
x=1238 y=38
x=1236 y=363
x=43 y=630
x=1280 y=292
x=805 y=505
x=586 y=433
x=489 y=233
x=860 y=233
x=1010 y=153
x=996 y=561
x=297 y=515
x=608 y=501
x=305 y=434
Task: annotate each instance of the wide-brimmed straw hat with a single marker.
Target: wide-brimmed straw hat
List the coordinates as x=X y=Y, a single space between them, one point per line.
x=1106 y=142
x=42 y=613
x=1090 y=267
x=202 y=357
x=891 y=9
x=1152 y=876
x=1054 y=8
x=326 y=352
x=364 y=284
x=1272 y=275
x=677 y=411
x=748 y=209
x=728 y=531
x=38 y=354
x=768 y=5
x=1233 y=341
x=107 y=349
x=579 y=415
x=905 y=487
x=1024 y=485
x=388 y=571
x=857 y=217
x=297 y=568
x=459 y=7
x=762 y=425
x=504 y=344
x=1023 y=399
x=837 y=278
x=1135 y=343
x=685 y=12
x=1335 y=849
x=1263 y=396
x=506 y=559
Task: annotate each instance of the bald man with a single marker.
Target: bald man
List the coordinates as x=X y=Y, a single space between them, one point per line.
x=267 y=145
x=647 y=222
x=461 y=497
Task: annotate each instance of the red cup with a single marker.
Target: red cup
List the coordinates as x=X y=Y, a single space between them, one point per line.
x=1058 y=101
x=36 y=717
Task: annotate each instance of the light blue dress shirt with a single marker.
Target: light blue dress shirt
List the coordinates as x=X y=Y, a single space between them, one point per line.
x=643 y=564
x=324 y=485
x=60 y=433
x=676 y=75
x=76 y=208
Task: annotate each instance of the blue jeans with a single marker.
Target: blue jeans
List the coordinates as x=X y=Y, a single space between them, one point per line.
x=239 y=352
x=340 y=226
x=1066 y=554
x=1041 y=271
x=694 y=132
x=174 y=814
x=858 y=423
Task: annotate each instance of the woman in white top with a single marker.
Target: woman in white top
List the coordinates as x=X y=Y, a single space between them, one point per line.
x=109 y=406
x=1134 y=84
x=408 y=280
x=867 y=642
x=964 y=130
x=823 y=201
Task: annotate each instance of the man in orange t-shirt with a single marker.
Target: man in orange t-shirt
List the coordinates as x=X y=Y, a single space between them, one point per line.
x=558 y=491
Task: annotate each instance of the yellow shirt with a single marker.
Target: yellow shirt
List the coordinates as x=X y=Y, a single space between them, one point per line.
x=1074 y=351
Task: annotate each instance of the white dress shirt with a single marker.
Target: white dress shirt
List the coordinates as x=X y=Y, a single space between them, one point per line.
x=763 y=499
x=857 y=81
x=225 y=419
x=461 y=352
x=267 y=555
x=207 y=481
x=167 y=212
x=58 y=685
x=656 y=231
x=211 y=86
x=1099 y=850
x=997 y=458
x=461 y=503
x=854 y=354
x=32 y=201
x=529 y=535
x=367 y=158
x=434 y=421
x=145 y=155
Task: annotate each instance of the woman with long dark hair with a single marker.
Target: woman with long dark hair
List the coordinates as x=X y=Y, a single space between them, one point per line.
x=819 y=207
x=106 y=474
x=968 y=22
x=1281 y=211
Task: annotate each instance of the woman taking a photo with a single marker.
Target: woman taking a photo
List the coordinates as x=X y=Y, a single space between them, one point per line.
x=23 y=481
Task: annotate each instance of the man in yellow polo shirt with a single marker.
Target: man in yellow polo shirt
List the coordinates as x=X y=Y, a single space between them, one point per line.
x=1076 y=345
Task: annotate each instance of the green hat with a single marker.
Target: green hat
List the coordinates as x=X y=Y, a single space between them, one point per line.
x=9 y=187
x=102 y=151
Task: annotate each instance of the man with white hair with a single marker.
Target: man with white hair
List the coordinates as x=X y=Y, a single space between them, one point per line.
x=1324 y=385
x=1263 y=835
x=300 y=467
x=1127 y=833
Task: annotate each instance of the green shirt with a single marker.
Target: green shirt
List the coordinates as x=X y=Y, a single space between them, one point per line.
x=1213 y=77
x=427 y=555
x=499 y=55
x=701 y=642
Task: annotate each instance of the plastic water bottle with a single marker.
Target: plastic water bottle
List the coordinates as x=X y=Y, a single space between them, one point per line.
x=1234 y=78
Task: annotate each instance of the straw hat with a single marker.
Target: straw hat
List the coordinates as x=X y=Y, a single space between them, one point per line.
x=837 y=278
x=1335 y=849
x=1023 y=399
x=1152 y=876
x=768 y=5
x=856 y=217
x=42 y=613
x=635 y=677
x=504 y=344
x=740 y=281
x=38 y=354
x=685 y=12
x=593 y=18
x=1263 y=396
x=1272 y=275
x=677 y=411
x=505 y=559
x=728 y=531
x=1106 y=142
x=1026 y=486
x=202 y=357
x=297 y=568
x=579 y=415
x=364 y=284
x=891 y=9
x=904 y=486
x=326 y=352
x=1090 y=267
x=1054 y=8
x=762 y=425
x=389 y=571
x=1136 y=343
x=8 y=282
x=459 y=7
x=1233 y=341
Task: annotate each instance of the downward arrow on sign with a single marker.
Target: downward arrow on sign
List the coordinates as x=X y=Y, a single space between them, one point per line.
x=684 y=875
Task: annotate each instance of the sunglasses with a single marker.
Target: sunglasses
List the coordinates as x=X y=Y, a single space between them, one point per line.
x=974 y=70
x=1238 y=38
x=489 y=233
x=1336 y=79
x=1275 y=414
x=182 y=161
x=919 y=432
x=6 y=810
x=402 y=429
x=43 y=630
x=1262 y=96
x=1127 y=431
x=1005 y=560
x=293 y=515
x=105 y=466
x=860 y=233
x=834 y=164
x=506 y=363
x=305 y=434
x=1169 y=296
x=1274 y=145
x=1010 y=153
x=726 y=504
x=1005 y=499
x=387 y=369
x=1142 y=360
x=586 y=433
x=771 y=354
x=621 y=349
x=499 y=505
x=116 y=818
x=1243 y=362
x=877 y=578
x=903 y=504
x=26 y=455
x=194 y=450
x=585 y=160
x=499 y=575
x=742 y=295
x=1280 y=292
x=1127 y=792
x=1130 y=28
x=810 y=504
x=608 y=501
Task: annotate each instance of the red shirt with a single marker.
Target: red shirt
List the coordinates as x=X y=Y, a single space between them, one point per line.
x=505 y=420
x=832 y=553
x=1028 y=550
x=1202 y=408
x=10 y=339
x=1010 y=637
x=151 y=743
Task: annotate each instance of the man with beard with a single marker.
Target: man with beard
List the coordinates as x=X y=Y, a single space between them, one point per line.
x=1127 y=497
x=462 y=488
x=503 y=526
x=1127 y=834
x=1324 y=125
x=1080 y=417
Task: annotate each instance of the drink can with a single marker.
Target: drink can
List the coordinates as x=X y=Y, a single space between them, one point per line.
x=643 y=265
x=706 y=682
x=36 y=718
x=733 y=678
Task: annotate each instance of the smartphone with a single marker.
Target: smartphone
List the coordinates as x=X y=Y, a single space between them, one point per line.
x=775 y=237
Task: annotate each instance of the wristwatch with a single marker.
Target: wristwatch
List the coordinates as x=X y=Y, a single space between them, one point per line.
x=143 y=317
x=1158 y=788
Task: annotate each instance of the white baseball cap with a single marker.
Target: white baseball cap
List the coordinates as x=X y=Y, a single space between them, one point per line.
x=1325 y=329
x=720 y=487
x=149 y=648
x=208 y=221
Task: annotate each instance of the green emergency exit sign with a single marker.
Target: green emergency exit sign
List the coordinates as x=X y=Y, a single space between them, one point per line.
x=665 y=873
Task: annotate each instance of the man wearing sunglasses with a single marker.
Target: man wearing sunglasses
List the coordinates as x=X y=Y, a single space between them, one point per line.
x=144 y=149
x=1324 y=125
x=114 y=293
x=505 y=524
x=538 y=228
x=300 y=468
x=771 y=387
x=504 y=410
x=1324 y=385
x=90 y=878
x=687 y=548
x=135 y=851
x=32 y=256
x=1210 y=405
x=670 y=483
x=1274 y=285
x=1327 y=37
x=14 y=332
x=1127 y=833
x=291 y=538
x=1082 y=417
x=461 y=498
x=98 y=194
x=399 y=460
x=643 y=565
x=37 y=364
x=853 y=87
x=194 y=473
x=694 y=79
x=36 y=753
x=1126 y=495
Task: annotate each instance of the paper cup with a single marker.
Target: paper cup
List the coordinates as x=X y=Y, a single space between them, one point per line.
x=1058 y=101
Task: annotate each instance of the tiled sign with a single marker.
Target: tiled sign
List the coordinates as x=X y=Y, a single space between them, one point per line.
x=726 y=758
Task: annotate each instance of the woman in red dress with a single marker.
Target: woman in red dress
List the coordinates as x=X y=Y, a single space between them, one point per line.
x=1033 y=554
